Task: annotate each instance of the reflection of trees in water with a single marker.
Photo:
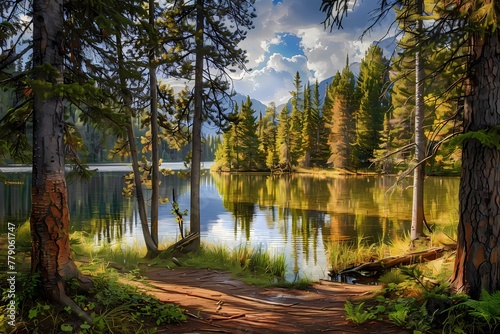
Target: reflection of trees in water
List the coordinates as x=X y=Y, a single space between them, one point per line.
x=240 y=194
x=305 y=227
x=243 y=216
x=100 y=203
x=291 y=204
x=304 y=210
x=111 y=215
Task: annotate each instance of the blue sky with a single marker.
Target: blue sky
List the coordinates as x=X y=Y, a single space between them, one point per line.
x=289 y=37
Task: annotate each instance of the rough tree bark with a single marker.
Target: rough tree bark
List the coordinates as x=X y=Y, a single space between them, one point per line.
x=50 y=220
x=477 y=264
x=194 y=223
x=155 y=159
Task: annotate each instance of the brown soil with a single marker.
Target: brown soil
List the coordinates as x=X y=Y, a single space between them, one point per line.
x=217 y=303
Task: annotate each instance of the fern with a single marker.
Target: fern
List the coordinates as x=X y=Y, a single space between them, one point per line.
x=486 y=308
x=484 y=312
x=357 y=314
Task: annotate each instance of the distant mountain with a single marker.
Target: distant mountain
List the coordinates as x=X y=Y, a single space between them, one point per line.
x=257 y=106
x=388 y=45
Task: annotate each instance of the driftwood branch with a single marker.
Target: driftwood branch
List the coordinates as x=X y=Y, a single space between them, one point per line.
x=377 y=267
x=179 y=245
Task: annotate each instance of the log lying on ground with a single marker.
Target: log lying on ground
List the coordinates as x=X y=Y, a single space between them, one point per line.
x=377 y=267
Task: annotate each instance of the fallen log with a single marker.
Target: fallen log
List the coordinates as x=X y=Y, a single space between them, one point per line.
x=376 y=268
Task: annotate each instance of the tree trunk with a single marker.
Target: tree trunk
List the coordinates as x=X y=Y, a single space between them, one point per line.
x=151 y=246
x=477 y=264
x=155 y=160
x=50 y=221
x=197 y=120
x=417 y=220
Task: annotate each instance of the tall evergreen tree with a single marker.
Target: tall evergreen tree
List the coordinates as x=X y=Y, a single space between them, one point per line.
x=402 y=103
x=316 y=118
x=50 y=221
x=417 y=220
x=268 y=135
x=309 y=126
x=297 y=120
x=247 y=139
x=224 y=153
x=371 y=83
x=283 y=140
x=326 y=121
x=213 y=32
x=382 y=155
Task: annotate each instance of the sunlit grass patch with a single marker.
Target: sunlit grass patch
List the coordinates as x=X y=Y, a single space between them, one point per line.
x=128 y=256
x=118 y=255
x=253 y=265
x=342 y=254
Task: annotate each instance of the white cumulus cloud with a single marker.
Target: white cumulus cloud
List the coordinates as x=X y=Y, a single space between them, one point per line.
x=322 y=52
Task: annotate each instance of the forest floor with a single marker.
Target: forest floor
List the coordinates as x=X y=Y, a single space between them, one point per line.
x=218 y=303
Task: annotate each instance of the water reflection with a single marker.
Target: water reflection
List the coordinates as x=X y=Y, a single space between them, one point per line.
x=293 y=214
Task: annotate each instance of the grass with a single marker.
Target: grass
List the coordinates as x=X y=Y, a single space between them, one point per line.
x=251 y=265
x=113 y=306
x=343 y=254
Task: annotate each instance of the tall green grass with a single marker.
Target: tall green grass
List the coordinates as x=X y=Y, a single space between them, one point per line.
x=343 y=254
x=253 y=260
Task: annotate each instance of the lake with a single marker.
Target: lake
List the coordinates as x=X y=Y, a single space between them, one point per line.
x=292 y=214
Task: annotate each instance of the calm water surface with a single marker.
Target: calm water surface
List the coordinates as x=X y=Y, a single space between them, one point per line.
x=297 y=215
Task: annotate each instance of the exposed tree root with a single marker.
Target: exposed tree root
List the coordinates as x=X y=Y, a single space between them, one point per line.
x=59 y=296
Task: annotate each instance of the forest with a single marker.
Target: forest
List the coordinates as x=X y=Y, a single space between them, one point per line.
x=358 y=124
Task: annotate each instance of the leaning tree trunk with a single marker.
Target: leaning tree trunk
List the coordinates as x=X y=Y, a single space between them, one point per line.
x=151 y=246
x=477 y=264
x=49 y=221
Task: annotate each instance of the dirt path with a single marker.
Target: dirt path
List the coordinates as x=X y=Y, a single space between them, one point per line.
x=219 y=304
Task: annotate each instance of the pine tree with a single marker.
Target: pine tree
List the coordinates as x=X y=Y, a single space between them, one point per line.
x=268 y=134
x=343 y=133
x=402 y=96
x=326 y=123
x=383 y=159
x=283 y=139
x=309 y=126
x=250 y=157
x=370 y=115
x=296 y=119
x=210 y=35
x=224 y=154
x=316 y=128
